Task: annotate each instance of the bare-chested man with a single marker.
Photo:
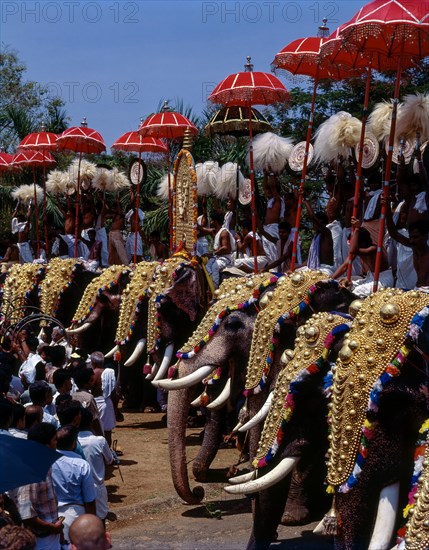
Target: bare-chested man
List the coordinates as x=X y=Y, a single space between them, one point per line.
x=21 y=227
x=274 y=212
x=223 y=248
x=321 y=253
x=245 y=245
x=117 y=252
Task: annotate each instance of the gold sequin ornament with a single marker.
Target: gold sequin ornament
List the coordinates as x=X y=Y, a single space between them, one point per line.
x=132 y=296
x=288 y=294
x=59 y=274
x=309 y=346
x=20 y=280
x=417 y=536
x=377 y=334
x=108 y=278
x=232 y=292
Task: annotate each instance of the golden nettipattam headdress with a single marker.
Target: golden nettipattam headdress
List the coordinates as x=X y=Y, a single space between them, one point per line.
x=59 y=276
x=20 y=280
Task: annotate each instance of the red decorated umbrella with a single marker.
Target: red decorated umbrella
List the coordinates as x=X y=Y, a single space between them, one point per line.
x=82 y=140
x=34 y=159
x=41 y=141
x=5 y=162
x=303 y=57
x=246 y=89
x=168 y=125
x=399 y=31
x=134 y=142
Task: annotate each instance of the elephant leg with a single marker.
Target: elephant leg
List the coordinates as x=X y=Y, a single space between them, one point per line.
x=210 y=445
x=267 y=507
x=307 y=495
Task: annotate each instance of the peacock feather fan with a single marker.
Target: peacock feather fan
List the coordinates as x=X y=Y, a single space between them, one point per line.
x=271 y=152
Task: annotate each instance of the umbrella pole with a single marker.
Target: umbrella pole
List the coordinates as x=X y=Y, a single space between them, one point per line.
x=76 y=229
x=170 y=199
x=359 y=166
x=45 y=212
x=136 y=223
x=36 y=214
x=386 y=185
x=252 y=184
x=303 y=176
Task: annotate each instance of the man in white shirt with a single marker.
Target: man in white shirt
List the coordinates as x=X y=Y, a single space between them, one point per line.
x=223 y=248
x=27 y=370
x=134 y=217
x=98 y=454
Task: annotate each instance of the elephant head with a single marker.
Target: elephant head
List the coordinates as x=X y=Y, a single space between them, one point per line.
x=20 y=290
x=102 y=295
x=221 y=339
x=294 y=436
x=379 y=403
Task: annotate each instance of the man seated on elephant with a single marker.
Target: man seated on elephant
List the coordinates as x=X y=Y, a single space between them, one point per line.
x=223 y=248
x=284 y=246
x=417 y=240
x=321 y=253
x=245 y=245
x=158 y=250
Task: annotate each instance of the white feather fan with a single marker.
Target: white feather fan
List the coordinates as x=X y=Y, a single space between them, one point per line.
x=380 y=119
x=414 y=117
x=271 y=152
x=119 y=181
x=162 y=191
x=88 y=170
x=102 y=180
x=336 y=136
x=207 y=175
x=56 y=182
x=25 y=193
x=226 y=182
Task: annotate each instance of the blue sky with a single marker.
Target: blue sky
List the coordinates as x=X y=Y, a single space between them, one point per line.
x=113 y=61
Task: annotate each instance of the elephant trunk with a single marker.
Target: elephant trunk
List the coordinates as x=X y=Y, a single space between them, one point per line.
x=210 y=444
x=177 y=414
x=386 y=517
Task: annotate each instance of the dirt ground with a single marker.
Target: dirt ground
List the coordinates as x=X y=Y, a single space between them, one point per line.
x=147 y=513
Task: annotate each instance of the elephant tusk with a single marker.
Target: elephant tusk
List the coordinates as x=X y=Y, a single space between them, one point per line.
x=268 y=480
x=196 y=402
x=237 y=427
x=186 y=381
x=152 y=373
x=222 y=398
x=243 y=478
x=166 y=360
x=112 y=352
x=136 y=353
x=386 y=518
x=41 y=334
x=78 y=330
x=259 y=416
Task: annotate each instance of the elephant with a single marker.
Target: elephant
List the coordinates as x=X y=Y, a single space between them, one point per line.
x=380 y=400
x=95 y=319
x=295 y=435
x=232 y=341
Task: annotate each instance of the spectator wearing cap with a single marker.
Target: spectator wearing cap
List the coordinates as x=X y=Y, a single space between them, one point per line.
x=29 y=356
x=40 y=395
x=18 y=422
x=84 y=380
x=37 y=503
x=98 y=454
x=72 y=479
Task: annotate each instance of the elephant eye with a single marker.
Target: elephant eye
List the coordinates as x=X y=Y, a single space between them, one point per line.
x=233 y=324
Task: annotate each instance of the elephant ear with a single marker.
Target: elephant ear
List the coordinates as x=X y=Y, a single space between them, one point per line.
x=186 y=293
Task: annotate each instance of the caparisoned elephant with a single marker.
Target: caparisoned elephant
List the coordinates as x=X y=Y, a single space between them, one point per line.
x=380 y=400
x=294 y=439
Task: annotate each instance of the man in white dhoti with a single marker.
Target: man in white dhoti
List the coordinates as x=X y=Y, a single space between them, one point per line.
x=245 y=246
x=284 y=247
x=134 y=241
x=321 y=253
x=21 y=227
x=274 y=212
x=223 y=249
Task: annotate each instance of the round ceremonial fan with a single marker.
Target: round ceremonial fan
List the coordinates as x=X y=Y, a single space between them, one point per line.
x=296 y=159
x=245 y=193
x=407 y=150
x=371 y=151
x=138 y=172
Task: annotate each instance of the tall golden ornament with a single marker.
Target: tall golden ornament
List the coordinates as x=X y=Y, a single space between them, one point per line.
x=108 y=279
x=290 y=291
x=377 y=334
x=59 y=276
x=19 y=281
x=309 y=346
x=134 y=294
x=185 y=198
